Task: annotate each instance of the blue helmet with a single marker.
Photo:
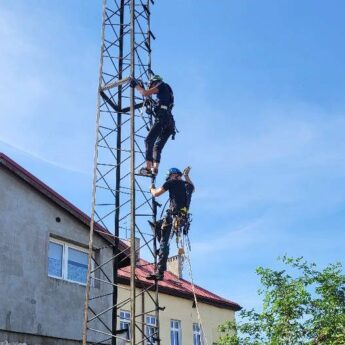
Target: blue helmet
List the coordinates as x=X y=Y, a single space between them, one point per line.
x=173 y=171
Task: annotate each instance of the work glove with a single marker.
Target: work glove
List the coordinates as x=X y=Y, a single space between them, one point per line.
x=133 y=82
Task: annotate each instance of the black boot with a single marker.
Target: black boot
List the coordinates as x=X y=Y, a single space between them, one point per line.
x=145 y=172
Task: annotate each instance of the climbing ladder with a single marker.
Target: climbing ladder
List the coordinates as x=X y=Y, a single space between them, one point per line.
x=121 y=202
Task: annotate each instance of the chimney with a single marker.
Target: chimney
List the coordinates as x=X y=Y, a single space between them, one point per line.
x=175 y=265
x=137 y=246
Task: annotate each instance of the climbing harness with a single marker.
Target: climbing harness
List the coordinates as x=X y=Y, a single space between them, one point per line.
x=152 y=107
x=180 y=228
x=149 y=105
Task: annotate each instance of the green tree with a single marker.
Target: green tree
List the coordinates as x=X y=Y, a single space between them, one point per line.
x=301 y=306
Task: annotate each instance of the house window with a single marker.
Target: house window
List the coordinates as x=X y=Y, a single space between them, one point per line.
x=55 y=252
x=151 y=330
x=197 y=334
x=175 y=332
x=67 y=261
x=77 y=265
x=125 y=323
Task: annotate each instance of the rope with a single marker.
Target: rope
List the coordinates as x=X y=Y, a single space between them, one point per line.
x=141 y=110
x=165 y=205
x=187 y=256
x=195 y=298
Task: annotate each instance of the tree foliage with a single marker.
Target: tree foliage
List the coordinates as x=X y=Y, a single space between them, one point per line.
x=301 y=306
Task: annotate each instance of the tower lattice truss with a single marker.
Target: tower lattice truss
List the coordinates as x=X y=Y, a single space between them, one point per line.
x=115 y=297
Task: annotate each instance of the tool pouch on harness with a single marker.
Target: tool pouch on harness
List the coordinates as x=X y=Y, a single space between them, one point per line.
x=181 y=221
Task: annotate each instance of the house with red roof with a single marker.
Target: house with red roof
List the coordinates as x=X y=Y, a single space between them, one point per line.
x=43 y=264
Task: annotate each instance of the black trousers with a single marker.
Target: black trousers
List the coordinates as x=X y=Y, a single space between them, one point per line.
x=164 y=227
x=159 y=134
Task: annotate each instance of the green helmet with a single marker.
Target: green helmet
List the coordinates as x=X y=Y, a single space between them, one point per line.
x=156 y=78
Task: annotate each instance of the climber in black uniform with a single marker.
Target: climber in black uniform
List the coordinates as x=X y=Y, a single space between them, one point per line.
x=164 y=125
x=180 y=193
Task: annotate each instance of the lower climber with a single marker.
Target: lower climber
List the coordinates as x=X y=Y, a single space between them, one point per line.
x=164 y=125
x=180 y=193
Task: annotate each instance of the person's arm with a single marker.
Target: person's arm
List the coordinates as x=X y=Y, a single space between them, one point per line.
x=138 y=85
x=148 y=92
x=157 y=191
x=186 y=175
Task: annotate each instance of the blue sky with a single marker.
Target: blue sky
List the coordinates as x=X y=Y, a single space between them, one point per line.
x=259 y=90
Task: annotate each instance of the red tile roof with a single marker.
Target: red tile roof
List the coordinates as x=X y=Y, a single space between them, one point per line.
x=171 y=284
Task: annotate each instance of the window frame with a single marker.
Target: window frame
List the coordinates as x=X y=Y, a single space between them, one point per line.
x=197 y=331
x=148 y=326
x=126 y=321
x=65 y=246
x=179 y=331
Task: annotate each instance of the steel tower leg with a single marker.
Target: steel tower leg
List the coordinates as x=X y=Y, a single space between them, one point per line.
x=118 y=173
x=121 y=202
x=132 y=167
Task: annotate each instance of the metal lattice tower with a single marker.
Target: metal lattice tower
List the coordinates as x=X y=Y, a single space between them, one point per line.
x=121 y=201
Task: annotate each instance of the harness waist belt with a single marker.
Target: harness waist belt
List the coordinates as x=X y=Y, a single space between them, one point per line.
x=183 y=210
x=164 y=107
